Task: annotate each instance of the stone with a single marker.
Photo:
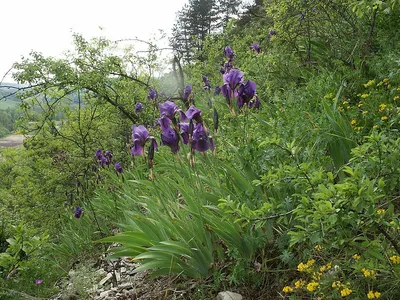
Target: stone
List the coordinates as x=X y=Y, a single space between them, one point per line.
x=118 y=276
x=105 y=279
x=227 y=295
x=105 y=294
x=125 y=286
x=101 y=272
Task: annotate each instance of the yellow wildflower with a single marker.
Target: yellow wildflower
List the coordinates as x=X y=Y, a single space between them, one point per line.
x=322 y=269
x=396 y=97
x=304 y=267
x=345 y=292
x=373 y=295
x=301 y=267
x=386 y=80
x=393 y=224
x=384 y=118
x=348 y=107
x=395 y=259
x=318 y=247
x=368 y=273
x=329 y=265
x=398 y=88
x=345 y=102
x=356 y=256
x=369 y=83
x=336 y=284
x=375 y=126
x=360 y=104
x=382 y=107
x=380 y=211
x=317 y=276
x=312 y=286
x=299 y=283
x=364 y=96
x=365 y=112
x=287 y=289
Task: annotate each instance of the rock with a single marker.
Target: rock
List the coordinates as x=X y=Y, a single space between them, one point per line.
x=105 y=294
x=118 y=276
x=123 y=270
x=101 y=272
x=227 y=295
x=71 y=273
x=105 y=279
x=125 y=286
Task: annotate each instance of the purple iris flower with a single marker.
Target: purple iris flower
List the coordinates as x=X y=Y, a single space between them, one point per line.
x=99 y=153
x=246 y=92
x=193 y=113
x=212 y=144
x=140 y=135
x=217 y=90
x=226 y=67
x=256 y=47
x=228 y=52
x=271 y=32
x=103 y=161
x=186 y=93
x=170 y=138
x=228 y=93
x=78 y=212
x=233 y=78
x=138 y=107
x=109 y=156
x=184 y=132
x=164 y=122
x=168 y=109
x=200 y=140
x=256 y=103
x=118 y=167
x=152 y=94
x=207 y=85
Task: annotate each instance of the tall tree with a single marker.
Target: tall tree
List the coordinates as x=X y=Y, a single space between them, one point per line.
x=198 y=19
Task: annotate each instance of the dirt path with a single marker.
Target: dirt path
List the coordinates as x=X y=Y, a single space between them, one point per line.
x=14 y=140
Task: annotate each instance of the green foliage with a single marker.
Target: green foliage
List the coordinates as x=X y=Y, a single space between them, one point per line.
x=24 y=261
x=309 y=180
x=174 y=222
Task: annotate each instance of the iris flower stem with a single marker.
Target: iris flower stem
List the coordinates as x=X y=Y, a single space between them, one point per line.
x=95 y=216
x=246 y=117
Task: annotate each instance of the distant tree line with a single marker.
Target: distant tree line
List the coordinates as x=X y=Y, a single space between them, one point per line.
x=7 y=121
x=196 y=20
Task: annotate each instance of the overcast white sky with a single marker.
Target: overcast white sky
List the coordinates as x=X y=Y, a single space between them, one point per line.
x=47 y=25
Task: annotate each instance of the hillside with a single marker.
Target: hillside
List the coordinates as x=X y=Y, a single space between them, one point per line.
x=271 y=170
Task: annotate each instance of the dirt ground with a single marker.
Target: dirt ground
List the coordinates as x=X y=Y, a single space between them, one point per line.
x=14 y=140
